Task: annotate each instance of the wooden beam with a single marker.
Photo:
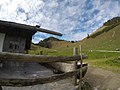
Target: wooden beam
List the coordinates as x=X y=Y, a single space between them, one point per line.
x=36 y=58
x=41 y=80
x=48 y=31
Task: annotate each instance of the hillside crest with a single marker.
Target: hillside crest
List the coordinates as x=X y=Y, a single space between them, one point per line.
x=47 y=43
x=109 y=25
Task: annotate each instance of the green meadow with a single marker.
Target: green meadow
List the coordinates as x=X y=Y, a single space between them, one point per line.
x=105 y=60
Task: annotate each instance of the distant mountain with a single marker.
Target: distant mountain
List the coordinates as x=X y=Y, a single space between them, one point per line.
x=51 y=39
x=47 y=43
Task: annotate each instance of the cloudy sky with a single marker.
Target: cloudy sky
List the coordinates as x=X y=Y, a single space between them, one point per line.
x=73 y=18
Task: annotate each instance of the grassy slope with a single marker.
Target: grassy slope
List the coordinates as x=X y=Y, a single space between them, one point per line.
x=105 y=41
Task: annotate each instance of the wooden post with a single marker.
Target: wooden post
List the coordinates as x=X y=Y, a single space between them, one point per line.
x=81 y=62
x=75 y=52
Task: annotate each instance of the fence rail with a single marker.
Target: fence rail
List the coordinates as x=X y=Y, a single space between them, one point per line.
x=37 y=58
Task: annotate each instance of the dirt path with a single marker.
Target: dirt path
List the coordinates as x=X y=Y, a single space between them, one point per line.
x=101 y=79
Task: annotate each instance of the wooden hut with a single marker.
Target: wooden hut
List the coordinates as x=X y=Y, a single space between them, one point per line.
x=16 y=38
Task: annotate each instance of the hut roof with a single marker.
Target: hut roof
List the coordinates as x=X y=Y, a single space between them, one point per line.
x=29 y=28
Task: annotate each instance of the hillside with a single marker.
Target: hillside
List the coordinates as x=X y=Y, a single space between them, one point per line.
x=54 y=43
x=106 y=37
x=47 y=43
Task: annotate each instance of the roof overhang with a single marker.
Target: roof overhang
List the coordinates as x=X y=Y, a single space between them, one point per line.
x=28 y=27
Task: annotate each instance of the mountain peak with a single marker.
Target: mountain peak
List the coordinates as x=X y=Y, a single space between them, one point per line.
x=51 y=39
x=47 y=43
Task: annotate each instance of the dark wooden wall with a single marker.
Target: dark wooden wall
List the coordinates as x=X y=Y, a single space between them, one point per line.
x=16 y=40
x=14 y=44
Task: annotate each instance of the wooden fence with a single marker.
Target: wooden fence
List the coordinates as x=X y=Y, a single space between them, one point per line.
x=39 y=59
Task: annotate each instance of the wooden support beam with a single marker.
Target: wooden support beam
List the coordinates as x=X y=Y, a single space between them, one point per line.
x=48 y=31
x=36 y=58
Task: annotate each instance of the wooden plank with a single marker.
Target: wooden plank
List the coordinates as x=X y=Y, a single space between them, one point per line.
x=41 y=80
x=36 y=58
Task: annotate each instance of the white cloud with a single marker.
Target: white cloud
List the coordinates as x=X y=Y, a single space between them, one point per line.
x=75 y=36
x=73 y=18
